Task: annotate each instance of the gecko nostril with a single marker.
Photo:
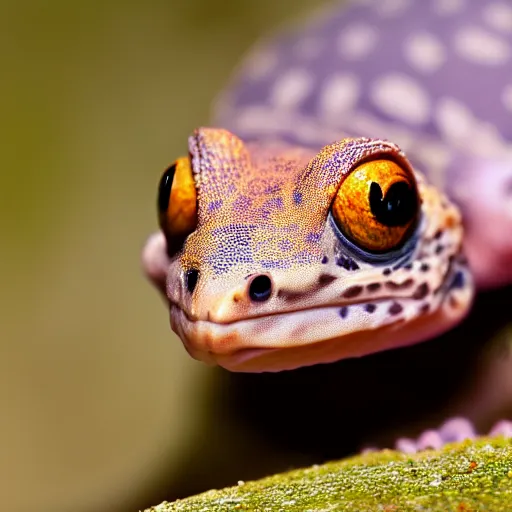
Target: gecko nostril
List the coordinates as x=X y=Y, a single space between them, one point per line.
x=260 y=288
x=191 y=277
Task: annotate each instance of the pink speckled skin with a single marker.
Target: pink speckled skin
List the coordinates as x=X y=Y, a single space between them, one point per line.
x=308 y=89
x=431 y=75
x=265 y=210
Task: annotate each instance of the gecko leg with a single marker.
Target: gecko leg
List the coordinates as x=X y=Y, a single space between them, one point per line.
x=453 y=430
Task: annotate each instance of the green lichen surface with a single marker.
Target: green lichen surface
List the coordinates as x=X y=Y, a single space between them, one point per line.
x=463 y=477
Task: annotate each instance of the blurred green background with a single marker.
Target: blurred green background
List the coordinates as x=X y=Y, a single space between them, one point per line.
x=98 y=401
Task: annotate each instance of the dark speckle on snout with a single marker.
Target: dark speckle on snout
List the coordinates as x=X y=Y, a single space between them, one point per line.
x=347 y=263
x=459 y=280
x=352 y=292
x=421 y=292
x=326 y=279
x=370 y=308
x=391 y=285
x=291 y=295
x=395 y=308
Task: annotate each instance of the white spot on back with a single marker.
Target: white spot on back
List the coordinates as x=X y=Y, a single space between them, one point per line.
x=506 y=97
x=424 y=52
x=498 y=15
x=339 y=94
x=291 y=88
x=389 y=8
x=261 y=63
x=454 y=120
x=357 y=41
x=435 y=158
x=448 y=7
x=481 y=47
x=401 y=97
x=308 y=47
x=463 y=130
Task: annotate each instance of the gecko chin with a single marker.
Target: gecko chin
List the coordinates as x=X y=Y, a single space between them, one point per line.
x=286 y=341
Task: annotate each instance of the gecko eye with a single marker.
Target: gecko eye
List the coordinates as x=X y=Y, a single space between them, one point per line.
x=177 y=204
x=377 y=205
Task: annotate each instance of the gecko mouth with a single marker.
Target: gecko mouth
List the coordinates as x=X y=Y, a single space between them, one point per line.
x=282 y=341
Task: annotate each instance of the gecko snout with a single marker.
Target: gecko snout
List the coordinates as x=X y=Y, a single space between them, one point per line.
x=232 y=300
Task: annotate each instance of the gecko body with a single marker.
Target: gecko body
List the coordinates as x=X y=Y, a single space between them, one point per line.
x=434 y=76
x=290 y=244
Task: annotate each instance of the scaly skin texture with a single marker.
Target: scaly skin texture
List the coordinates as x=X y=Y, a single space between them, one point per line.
x=431 y=75
x=265 y=209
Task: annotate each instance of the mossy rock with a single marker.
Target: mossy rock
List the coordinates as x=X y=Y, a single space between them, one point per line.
x=463 y=477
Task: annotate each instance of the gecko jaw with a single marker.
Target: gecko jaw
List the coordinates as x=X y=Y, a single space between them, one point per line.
x=356 y=344
x=317 y=335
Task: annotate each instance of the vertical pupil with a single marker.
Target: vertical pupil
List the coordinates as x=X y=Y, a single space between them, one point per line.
x=397 y=207
x=164 y=188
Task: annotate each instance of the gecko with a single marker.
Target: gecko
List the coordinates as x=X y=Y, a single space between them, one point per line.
x=434 y=76
x=280 y=248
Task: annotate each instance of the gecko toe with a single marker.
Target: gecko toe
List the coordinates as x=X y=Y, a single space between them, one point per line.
x=502 y=428
x=430 y=439
x=457 y=429
x=453 y=430
x=406 y=445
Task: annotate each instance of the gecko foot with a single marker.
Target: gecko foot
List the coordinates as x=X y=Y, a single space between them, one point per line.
x=453 y=430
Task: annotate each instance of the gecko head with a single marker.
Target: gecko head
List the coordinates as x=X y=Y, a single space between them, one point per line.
x=274 y=257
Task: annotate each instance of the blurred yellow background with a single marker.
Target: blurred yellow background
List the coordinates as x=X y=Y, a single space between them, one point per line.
x=101 y=409
x=98 y=401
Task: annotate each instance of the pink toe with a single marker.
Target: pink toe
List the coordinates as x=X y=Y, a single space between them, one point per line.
x=406 y=445
x=430 y=439
x=457 y=429
x=502 y=428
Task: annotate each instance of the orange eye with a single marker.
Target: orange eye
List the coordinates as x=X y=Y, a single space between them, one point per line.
x=377 y=205
x=177 y=204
